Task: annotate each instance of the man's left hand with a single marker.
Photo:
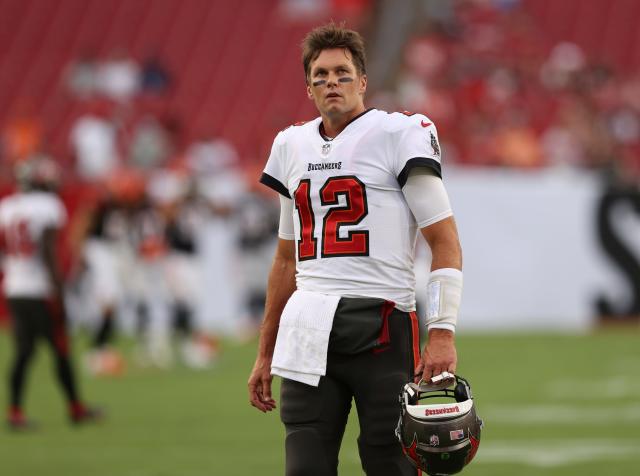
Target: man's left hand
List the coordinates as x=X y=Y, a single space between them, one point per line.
x=439 y=355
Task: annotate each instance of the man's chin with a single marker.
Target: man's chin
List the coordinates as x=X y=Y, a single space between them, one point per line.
x=334 y=110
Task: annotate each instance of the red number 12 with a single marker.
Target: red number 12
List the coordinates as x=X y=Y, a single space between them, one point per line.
x=355 y=209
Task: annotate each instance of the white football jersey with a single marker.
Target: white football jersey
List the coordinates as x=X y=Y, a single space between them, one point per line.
x=354 y=231
x=23 y=219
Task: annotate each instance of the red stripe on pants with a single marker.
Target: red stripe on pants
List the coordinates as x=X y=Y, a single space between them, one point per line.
x=415 y=334
x=387 y=309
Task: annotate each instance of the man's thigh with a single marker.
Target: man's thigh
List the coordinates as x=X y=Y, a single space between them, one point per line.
x=377 y=379
x=314 y=419
x=27 y=322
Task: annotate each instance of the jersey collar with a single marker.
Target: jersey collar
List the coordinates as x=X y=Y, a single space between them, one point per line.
x=353 y=119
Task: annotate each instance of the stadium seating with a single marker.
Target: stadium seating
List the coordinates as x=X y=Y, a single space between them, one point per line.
x=597 y=26
x=234 y=62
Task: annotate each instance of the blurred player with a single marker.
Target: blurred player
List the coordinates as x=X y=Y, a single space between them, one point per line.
x=102 y=231
x=356 y=185
x=149 y=284
x=258 y=215
x=175 y=196
x=29 y=224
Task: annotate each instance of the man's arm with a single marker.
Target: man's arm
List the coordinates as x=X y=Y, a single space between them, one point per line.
x=439 y=354
x=280 y=286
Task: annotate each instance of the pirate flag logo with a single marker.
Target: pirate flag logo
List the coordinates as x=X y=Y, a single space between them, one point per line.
x=434 y=144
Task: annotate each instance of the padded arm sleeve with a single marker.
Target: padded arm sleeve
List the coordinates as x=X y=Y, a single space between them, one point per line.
x=285 y=230
x=426 y=197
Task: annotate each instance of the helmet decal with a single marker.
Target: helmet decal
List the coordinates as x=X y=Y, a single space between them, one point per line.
x=475 y=444
x=410 y=450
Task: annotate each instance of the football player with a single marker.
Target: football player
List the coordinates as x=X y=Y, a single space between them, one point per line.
x=355 y=187
x=101 y=231
x=29 y=224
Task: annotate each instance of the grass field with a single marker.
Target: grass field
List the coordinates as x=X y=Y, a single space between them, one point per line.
x=553 y=405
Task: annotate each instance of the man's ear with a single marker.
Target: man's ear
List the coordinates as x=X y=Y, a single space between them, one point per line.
x=309 y=94
x=363 y=84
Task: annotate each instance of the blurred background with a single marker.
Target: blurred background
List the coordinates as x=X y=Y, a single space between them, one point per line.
x=161 y=115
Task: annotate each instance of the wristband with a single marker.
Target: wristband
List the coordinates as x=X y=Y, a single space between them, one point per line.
x=444 y=293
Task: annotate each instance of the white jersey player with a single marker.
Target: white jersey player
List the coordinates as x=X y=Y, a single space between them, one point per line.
x=356 y=185
x=29 y=224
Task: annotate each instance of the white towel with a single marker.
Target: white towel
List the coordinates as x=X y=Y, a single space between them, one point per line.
x=303 y=337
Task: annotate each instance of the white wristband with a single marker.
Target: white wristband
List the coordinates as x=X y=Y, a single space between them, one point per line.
x=444 y=293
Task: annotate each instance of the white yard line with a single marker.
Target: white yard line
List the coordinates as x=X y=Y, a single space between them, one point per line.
x=613 y=387
x=549 y=453
x=604 y=414
x=546 y=453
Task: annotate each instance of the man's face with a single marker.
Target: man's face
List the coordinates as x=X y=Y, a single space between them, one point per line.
x=334 y=83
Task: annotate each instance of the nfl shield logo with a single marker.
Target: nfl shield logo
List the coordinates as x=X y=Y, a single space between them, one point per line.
x=326 y=148
x=434 y=440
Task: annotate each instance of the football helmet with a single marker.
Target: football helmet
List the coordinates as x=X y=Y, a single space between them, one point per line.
x=39 y=172
x=439 y=438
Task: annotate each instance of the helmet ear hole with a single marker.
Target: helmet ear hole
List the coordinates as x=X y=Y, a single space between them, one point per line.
x=461 y=392
x=413 y=395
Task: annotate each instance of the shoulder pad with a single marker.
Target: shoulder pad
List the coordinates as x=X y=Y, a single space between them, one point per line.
x=295 y=124
x=415 y=116
x=398 y=121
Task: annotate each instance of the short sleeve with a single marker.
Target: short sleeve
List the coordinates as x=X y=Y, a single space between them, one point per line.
x=274 y=174
x=418 y=146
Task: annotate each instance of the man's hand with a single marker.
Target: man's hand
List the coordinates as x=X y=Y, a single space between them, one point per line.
x=280 y=287
x=260 y=385
x=439 y=355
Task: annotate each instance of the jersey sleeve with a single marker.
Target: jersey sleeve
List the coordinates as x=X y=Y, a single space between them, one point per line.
x=274 y=175
x=418 y=146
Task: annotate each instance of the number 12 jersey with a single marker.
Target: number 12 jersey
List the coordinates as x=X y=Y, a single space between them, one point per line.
x=355 y=234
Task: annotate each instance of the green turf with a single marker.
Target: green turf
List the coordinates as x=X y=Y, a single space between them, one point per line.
x=553 y=405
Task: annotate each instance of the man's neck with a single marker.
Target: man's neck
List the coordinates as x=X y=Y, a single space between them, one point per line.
x=334 y=125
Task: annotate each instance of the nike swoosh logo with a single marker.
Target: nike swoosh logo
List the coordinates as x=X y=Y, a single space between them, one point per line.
x=425 y=124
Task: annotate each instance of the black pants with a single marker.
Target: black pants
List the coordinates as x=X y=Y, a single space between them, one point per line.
x=34 y=319
x=315 y=417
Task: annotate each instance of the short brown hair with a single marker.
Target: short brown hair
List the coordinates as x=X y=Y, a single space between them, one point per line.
x=333 y=36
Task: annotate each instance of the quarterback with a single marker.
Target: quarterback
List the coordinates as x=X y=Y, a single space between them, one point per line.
x=355 y=185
